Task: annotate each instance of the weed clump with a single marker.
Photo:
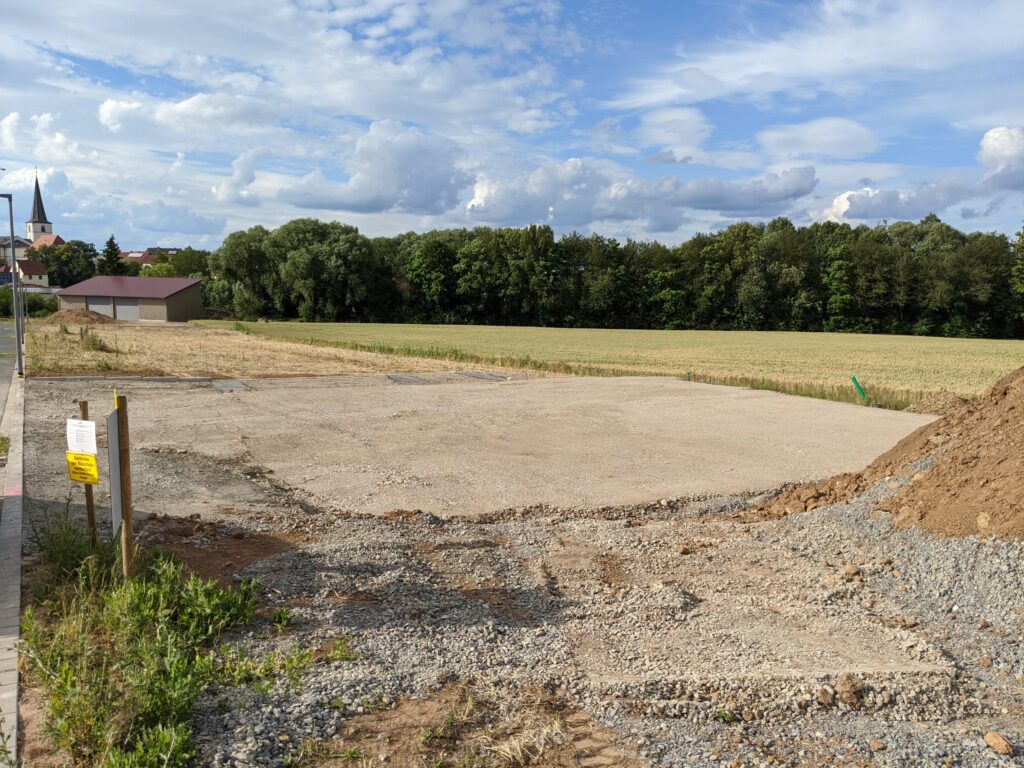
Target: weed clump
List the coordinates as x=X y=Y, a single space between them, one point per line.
x=122 y=660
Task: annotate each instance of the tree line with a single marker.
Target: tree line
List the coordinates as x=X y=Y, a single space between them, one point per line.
x=924 y=278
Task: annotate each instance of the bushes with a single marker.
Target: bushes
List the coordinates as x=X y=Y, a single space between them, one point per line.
x=36 y=304
x=122 y=661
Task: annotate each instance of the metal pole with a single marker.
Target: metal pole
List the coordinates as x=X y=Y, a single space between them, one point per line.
x=19 y=332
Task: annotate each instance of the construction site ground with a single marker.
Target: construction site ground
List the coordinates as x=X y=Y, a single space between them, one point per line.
x=570 y=559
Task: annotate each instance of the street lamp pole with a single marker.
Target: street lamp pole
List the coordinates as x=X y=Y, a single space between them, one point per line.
x=19 y=327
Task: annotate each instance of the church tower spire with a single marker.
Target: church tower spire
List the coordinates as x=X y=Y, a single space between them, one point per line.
x=38 y=224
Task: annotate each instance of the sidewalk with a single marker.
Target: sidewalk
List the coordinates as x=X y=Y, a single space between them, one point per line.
x=10 y=562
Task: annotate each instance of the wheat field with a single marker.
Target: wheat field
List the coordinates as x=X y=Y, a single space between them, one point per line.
x=895 y=371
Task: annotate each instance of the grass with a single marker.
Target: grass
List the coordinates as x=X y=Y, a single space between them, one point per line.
x=896 y=371
x=5 y=445
x=121 y=662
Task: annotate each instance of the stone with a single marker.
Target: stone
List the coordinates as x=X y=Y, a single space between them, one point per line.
x=998 y=743
x=850 y=690
x=876 y=745
x=850 y=572
x=985 y=661
x=825 y=697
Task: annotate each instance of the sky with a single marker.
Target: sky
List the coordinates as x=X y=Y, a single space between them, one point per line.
x=178 y=123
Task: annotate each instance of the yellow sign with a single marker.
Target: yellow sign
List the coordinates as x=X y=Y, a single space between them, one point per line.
x=82 y=468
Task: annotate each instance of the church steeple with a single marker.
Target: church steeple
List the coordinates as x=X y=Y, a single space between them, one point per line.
x=38 y=224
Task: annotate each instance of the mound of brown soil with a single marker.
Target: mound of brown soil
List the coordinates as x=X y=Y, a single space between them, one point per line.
x=79 y=317
x=976 y=485
x=942 y=403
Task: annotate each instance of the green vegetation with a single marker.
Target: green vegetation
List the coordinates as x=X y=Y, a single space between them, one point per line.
x=5 y=445
x=281 y=619
x=122 y=661
x=894 y=370
x=925 y=279
x=36 y=304
x=341 y=650
x=90 y=341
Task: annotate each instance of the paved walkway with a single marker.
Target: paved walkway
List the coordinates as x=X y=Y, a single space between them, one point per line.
x=11 y=393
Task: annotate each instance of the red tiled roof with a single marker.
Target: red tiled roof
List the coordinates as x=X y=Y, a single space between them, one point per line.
x=44 y=240
x=144 y=258
x=30 y=267
x=130 y=287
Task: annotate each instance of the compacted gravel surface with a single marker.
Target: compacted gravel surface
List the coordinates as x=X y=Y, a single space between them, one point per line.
x=688 y=635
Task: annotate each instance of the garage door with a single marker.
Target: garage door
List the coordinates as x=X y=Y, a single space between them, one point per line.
x=127 y=309
x=102 y=304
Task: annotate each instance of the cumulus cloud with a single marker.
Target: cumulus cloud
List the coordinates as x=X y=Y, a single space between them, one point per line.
x=837 y=137
x=581 y=191
x=237 y=188
x=1002 y=154
x=393 y=168
x=112 y=113
x=868 y=203
x=8 y=132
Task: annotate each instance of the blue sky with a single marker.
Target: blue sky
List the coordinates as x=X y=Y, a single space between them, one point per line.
x=178 y=123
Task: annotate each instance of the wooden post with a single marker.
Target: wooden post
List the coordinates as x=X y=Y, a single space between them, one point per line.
x=127 y=537
x=90 y=506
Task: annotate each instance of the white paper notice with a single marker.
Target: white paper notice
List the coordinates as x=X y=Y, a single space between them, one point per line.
x=82 y=436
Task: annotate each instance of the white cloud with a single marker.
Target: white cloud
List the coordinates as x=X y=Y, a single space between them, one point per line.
x=112 y=113
x=839 y=47
x=868 y=203
x=1002 y=154
x=679 y=130
x=238 y=188
x=54 y=146
x=582 y=191
x=212 y=112
x=8 y=132
x=393 y=168
x=831 y=137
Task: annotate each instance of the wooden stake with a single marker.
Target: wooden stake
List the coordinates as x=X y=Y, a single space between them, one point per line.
x=127 y=537
x=90 y=507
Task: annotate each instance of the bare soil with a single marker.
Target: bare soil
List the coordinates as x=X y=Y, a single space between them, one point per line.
x=176 y=350
x=976 y=485
x=459 y=721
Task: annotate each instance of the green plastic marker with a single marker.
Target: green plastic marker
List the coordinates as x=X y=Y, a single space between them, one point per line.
x=860 y=390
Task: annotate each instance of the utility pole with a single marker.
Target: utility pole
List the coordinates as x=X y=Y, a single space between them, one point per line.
x=19 y=321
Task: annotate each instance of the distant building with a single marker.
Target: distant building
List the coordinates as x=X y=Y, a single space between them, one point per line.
x=38 y=233
x=173 y=299
x=30 y=273
x=150 y=256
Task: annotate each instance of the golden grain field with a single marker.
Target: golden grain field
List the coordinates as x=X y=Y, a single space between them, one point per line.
x=895 y=370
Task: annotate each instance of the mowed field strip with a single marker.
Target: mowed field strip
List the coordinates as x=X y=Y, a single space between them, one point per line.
x=895 y=370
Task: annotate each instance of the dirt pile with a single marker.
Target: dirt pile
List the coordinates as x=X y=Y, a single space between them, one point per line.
x=976 y=485
x=942 y=403
x=79 y=317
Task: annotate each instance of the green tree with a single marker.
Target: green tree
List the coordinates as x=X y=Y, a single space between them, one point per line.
x=69 y=263
x=110 y=262
x=164 y=269
x=189 y=261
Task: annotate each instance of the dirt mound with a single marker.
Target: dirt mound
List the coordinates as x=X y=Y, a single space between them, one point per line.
x=79 y=317
x=942 y=403
x=976 y=485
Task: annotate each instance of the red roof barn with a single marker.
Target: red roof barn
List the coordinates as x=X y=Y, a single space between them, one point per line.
x=175 y=299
